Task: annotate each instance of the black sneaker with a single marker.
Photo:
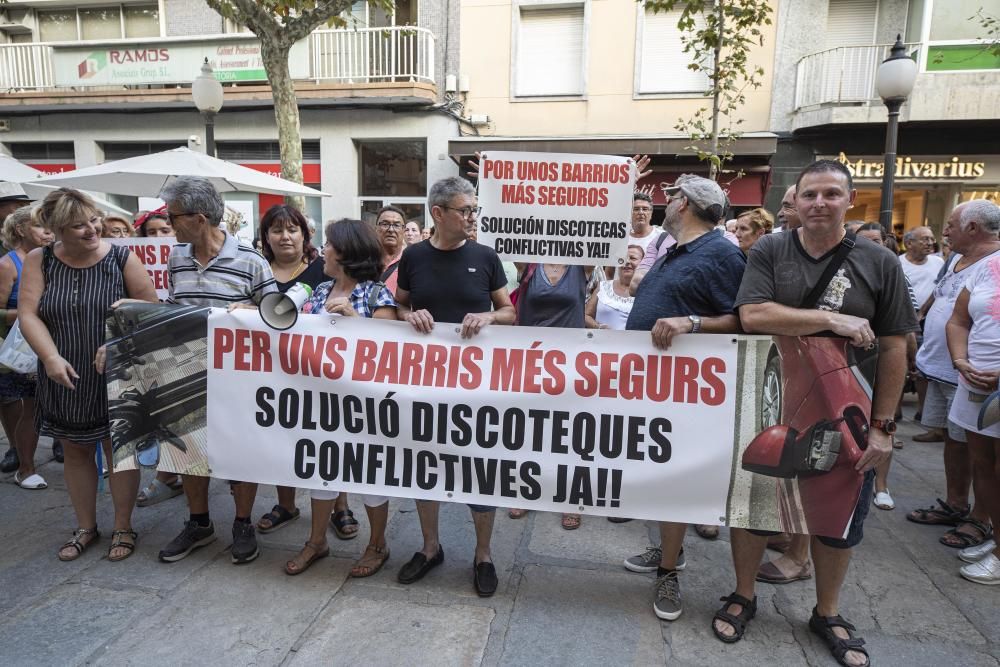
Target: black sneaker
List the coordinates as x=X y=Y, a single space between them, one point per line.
x=57 y=451
x=245 y=547
x=10 y=462
x=192 y=537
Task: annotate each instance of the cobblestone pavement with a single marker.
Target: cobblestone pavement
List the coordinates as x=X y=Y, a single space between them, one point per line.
x=564 y=597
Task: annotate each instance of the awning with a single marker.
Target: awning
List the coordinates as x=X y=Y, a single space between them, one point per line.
x=743 y=188
x=749 y=144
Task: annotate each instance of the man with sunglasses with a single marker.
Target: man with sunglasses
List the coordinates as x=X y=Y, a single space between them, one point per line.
x=691 y=288
x=450 y=279
x=209 y=267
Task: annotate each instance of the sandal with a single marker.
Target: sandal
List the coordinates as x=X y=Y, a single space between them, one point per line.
x=941 y=515
x=517 y=514
x=739 y=621
x=277 y=518
x=370 y=562
x=823 y=627
x=707 y=532
x=118 y=543
x=957 y=539
x=78 y=544
x=157 y=492
x=341 y=521
x=570 y=521
x=298 y=565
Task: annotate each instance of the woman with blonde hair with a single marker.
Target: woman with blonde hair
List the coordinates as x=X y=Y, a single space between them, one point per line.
x=115 y=227
x=21 y=235
x=751 y=226
x=68 y=288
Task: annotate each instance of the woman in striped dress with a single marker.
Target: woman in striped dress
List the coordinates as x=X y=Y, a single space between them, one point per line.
x=66 y=292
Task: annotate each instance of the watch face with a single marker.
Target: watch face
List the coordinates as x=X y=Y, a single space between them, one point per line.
x=890 y=426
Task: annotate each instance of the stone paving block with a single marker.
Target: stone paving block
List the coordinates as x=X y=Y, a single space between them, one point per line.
x=595 y=541
x=69 y=623
x=360 y=631
x=226 y=614
x=565 y=616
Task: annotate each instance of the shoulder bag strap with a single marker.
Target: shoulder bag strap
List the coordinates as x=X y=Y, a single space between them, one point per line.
x=376 y=289
x=388 y=272
x=846 y=245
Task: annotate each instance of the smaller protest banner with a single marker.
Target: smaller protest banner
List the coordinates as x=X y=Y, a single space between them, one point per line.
x=554 y=207
x=153 y=253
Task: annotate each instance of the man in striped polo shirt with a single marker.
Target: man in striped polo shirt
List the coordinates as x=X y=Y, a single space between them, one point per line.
x=209 y=267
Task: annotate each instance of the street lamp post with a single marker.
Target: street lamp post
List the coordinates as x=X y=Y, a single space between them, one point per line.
x=207 y=93
x=894 y=82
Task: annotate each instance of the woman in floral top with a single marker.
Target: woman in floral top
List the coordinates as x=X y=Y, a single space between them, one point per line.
x=353 y=257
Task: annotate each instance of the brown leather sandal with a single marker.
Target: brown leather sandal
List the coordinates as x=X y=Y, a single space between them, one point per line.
x=76 y=543
x=370 y=562
x=301 y=563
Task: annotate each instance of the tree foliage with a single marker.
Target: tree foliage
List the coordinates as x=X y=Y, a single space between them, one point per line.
x=719 y=36
x=279 y=24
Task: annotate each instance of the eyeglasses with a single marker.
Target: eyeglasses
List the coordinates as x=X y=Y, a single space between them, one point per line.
x=395 y=226
x=642 y=209
x=173 y=216
x=467 y=212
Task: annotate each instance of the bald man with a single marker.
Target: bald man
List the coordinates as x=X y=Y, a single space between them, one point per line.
x=788 y=217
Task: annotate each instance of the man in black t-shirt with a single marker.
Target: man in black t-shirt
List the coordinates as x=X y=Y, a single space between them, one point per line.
x=451 y=279
x=865 y=301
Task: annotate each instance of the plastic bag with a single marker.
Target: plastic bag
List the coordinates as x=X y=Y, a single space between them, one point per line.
x=16 y=354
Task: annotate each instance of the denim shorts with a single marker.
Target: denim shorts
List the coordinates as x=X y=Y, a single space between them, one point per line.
x=856 y=531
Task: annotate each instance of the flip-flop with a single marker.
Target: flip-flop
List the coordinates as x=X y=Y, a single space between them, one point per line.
x=157 y=492
x=278 y=517
x=570 y=521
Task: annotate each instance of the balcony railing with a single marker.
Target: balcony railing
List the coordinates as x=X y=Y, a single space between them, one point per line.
x=844 y=75
x=355 y=56
x=373 y=55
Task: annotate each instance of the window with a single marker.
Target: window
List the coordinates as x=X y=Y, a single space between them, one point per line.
x=261 y=151
x=955 y=35
x=850 y=23
x=393 y=168
x=30 y=151
x=663 y=65
x=126 y=149
x=550 y=52
x=99 y=23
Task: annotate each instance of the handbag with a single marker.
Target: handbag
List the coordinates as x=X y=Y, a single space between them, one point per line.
x=16 y=354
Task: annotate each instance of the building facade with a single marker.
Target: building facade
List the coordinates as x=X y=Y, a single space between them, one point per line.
x=608 y=77
x=825 y=104
x=88 y=81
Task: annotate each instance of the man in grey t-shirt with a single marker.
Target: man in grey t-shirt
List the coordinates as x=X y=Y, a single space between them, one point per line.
x=865 y=301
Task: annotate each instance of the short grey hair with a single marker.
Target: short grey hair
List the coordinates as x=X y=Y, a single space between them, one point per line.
x=447 y=189
x=195 y=195
x=908 y=236
x=985 y=212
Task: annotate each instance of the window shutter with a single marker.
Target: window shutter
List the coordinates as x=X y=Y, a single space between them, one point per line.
x=851 y=23
x=550 y=52
x=664 y=65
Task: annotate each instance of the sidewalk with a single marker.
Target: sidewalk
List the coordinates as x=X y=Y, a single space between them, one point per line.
x=564 y=597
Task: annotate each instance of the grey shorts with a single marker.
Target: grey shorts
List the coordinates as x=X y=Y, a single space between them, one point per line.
x=937 y=405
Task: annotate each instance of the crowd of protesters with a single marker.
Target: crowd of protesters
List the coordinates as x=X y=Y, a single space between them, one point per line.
x=935 y=321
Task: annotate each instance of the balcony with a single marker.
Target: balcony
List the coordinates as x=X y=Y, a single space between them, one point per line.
x=350 y=66
x=838 y=86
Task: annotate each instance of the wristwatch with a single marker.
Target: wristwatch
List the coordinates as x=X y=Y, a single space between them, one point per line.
x=886 y=425
x=695 y=323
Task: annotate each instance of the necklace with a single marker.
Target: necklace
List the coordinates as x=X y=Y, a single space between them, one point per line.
x=299 y=268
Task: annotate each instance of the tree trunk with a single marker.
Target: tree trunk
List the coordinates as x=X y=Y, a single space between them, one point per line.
x=286 y=113
x=713 y=169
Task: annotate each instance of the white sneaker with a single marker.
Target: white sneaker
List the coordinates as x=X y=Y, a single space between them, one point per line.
x=978 y=552
x=883 y=500
x=986 y=571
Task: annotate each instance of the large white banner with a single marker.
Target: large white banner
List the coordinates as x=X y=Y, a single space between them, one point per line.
x=556 y=207
x=580 y=421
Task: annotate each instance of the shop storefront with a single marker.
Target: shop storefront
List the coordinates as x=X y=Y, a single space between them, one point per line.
x=926 y=188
